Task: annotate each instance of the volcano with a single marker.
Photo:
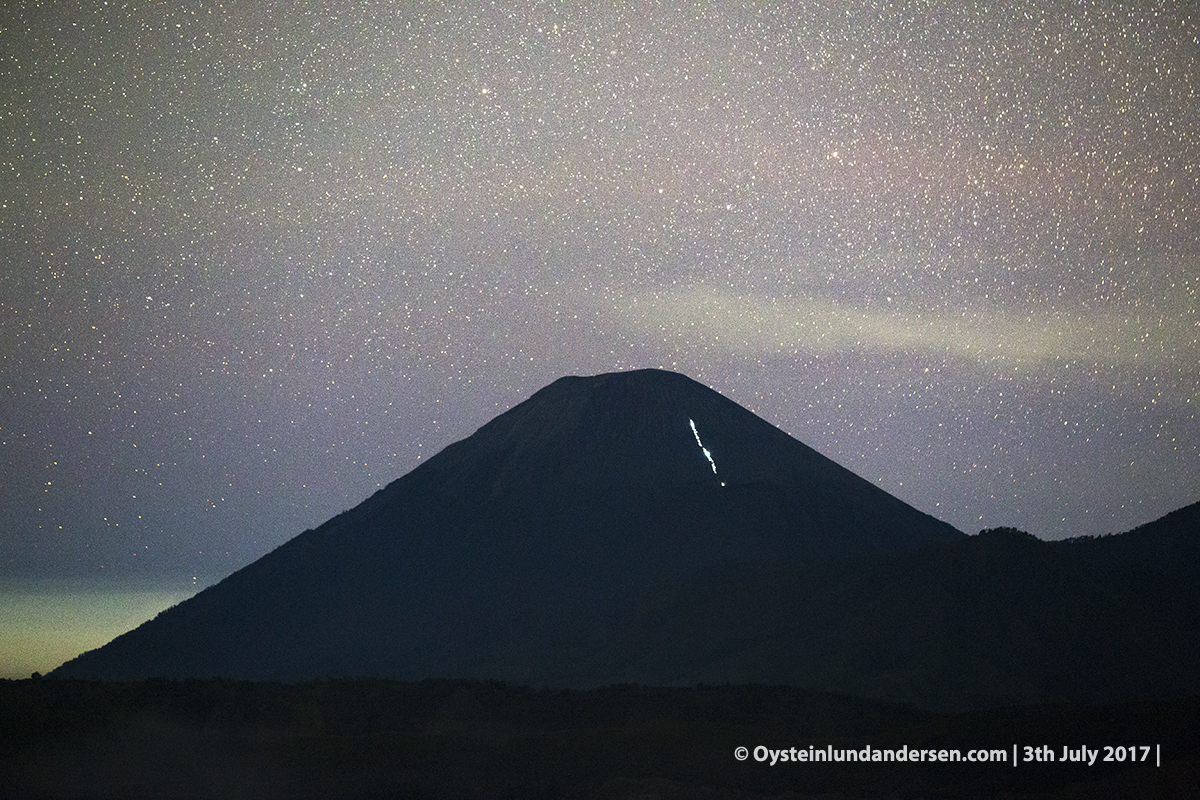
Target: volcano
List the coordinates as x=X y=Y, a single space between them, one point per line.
x=638 y=527
x=586 y=536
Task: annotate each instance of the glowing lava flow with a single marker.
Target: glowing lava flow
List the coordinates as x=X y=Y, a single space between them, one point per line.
x=707 y=454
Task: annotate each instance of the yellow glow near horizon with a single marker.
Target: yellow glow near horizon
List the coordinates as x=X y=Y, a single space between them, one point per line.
x=43 y=626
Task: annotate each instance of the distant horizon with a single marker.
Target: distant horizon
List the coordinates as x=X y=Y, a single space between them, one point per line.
x=47 y=621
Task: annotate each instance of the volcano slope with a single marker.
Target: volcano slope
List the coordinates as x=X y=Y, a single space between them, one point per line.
x=638 y=527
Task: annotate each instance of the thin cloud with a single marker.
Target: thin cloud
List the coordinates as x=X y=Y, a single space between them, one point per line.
x=750 y=324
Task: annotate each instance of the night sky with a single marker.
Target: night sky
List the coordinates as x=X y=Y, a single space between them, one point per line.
x=261 y=259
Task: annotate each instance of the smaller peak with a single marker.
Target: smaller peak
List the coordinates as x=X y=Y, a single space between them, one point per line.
x=1007 y=534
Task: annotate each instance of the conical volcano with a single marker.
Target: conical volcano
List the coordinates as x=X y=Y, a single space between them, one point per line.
x=626 y=527
x=647 y=427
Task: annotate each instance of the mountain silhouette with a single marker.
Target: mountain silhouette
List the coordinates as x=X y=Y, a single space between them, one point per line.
x=638 y=527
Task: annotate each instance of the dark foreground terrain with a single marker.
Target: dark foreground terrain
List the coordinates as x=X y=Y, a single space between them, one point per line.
x=460 y=739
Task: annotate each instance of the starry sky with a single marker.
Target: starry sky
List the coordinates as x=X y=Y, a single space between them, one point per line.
x=260 y=259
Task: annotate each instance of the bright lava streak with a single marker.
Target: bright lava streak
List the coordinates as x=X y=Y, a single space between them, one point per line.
x=704 y=449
